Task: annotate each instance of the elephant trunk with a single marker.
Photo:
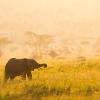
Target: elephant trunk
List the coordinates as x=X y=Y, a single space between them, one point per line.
x=42 y=65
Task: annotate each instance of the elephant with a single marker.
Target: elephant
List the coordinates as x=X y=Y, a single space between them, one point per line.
x=21 y=67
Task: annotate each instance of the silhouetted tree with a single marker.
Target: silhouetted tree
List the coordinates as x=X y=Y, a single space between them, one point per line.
x=97 y=47
x=53 y=54
x=4 y=41
x=38 y=43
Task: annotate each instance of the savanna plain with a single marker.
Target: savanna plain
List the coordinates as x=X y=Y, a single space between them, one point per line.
x=63 y=79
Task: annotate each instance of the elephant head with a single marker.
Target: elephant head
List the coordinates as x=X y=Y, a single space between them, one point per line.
x=32 y=64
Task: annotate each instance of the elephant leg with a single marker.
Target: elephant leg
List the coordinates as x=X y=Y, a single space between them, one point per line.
x=12 y=77
x=29 y=75
x=6 y=77
x=24 y=76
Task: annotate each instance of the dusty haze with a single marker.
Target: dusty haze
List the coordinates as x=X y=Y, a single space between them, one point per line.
x=50 y=16
x=73 y=21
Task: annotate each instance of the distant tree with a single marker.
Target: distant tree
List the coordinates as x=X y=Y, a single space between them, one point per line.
x=53 y=54
x=38 y=43
x=97 y=47
x=4 y=41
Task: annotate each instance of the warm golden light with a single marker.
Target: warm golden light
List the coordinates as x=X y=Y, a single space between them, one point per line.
x=74 y=20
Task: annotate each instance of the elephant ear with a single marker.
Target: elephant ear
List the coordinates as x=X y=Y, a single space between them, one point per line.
x=30 y=65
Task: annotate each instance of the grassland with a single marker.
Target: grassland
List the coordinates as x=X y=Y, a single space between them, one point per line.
x=62 y=80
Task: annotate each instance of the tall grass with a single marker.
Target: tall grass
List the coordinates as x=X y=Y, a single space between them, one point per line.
x=62 y=80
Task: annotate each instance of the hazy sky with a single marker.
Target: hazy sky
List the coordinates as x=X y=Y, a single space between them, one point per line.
x=71 y=17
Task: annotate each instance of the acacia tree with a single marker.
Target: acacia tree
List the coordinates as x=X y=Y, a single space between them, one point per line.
x=39 y=44
x=3 y=42
x=97 y=47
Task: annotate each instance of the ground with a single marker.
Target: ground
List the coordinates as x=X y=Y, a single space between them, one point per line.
x=62 y=80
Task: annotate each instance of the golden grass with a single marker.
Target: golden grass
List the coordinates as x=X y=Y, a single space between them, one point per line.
x=62 y=80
